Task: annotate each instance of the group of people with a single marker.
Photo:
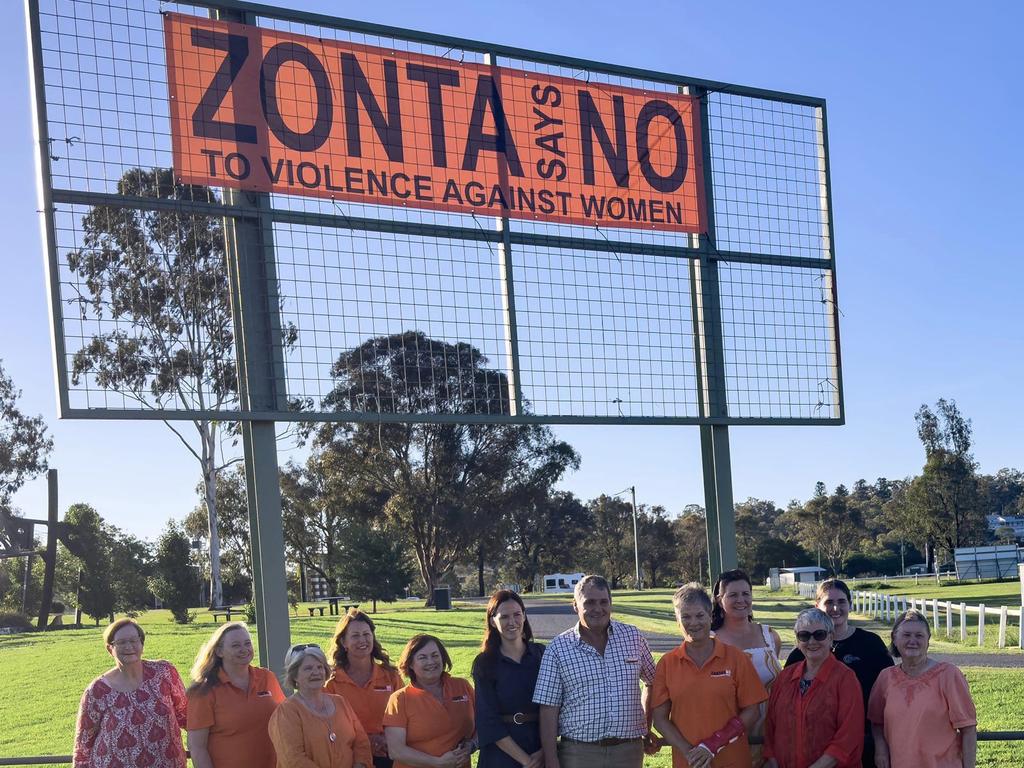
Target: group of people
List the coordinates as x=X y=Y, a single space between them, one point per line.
x=593 y=698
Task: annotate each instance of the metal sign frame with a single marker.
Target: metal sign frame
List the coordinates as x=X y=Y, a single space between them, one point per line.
x=249 y=227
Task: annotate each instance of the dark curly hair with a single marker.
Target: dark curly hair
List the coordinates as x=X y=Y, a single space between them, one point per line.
x=339 y=656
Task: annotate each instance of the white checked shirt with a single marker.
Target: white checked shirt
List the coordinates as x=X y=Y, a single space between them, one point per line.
x=599 y=695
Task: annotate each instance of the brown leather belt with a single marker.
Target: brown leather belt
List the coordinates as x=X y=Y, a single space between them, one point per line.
x=612 y=741
x=521 y=718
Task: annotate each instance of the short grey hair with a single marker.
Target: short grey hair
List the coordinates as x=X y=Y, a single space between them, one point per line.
x=593 y=580
x=691 y=593
x=815 y=616
x=293 y=660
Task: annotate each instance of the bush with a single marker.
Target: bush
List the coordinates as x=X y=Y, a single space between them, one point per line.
x=182 y=615
x=250 y=614
x=175 y=580
x=15 y=621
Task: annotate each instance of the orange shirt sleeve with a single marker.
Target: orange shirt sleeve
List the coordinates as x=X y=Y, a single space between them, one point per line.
x=848 y=742
x=274 y=687
x=396 y=714
x=659 y=692
x=749 y=688
x=957 y=693
x=200 y=711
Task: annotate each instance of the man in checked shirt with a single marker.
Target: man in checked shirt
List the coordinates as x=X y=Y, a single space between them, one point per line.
x=588 y=688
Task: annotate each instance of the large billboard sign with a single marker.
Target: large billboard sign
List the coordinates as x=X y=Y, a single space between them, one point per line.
x=271 y=111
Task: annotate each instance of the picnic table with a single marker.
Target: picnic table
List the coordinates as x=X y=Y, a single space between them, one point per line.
x=225 y=611
x=334 y=601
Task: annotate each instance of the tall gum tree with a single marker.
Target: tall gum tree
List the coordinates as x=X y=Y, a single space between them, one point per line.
x=154 y=283
x=441 y=484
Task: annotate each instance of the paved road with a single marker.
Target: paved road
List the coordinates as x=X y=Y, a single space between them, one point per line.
x=548 y=619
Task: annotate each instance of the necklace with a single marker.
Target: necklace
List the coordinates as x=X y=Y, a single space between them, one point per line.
x=324 y=714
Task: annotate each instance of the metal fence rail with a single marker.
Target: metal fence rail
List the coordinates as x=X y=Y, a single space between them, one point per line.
x=66 y=759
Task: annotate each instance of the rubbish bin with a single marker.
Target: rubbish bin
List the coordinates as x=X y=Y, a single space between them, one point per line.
x=442 y=598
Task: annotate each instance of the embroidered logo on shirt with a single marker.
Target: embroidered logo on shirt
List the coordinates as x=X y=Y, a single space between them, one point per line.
x=632 y=661
x=461 y=698
x=263 y=693
x=382 y=688
x=722 y=673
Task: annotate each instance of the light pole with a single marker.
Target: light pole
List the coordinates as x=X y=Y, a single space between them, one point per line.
x=636 y=540
x=636 y=537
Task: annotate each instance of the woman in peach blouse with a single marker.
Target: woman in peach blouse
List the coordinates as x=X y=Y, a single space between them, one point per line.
x=921 y=711
x=314 y=729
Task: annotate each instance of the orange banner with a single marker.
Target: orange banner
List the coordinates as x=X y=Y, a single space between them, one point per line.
x=270 y=111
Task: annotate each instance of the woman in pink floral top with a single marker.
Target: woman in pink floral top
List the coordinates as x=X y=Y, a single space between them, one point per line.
x=132 y=716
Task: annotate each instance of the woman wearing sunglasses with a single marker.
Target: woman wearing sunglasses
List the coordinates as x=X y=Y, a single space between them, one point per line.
x=860 y=650
x=815 y=710
x=313 y=728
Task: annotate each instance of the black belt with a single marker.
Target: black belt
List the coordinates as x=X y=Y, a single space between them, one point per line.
x=521 y=718
x=612 y=741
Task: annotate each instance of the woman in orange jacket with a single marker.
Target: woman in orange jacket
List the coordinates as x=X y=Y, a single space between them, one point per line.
x=313 y=729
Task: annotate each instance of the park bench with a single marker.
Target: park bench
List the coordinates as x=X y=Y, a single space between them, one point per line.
x=226 y=611
x=316 y=608
x=334 y=601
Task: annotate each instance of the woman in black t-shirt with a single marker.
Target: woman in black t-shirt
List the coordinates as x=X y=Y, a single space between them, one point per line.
x=863 y=652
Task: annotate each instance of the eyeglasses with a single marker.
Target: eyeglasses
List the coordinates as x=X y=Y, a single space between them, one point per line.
x=126 y=643
x=818 y=634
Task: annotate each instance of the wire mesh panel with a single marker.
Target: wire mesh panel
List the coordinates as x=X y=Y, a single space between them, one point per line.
x=552 y=290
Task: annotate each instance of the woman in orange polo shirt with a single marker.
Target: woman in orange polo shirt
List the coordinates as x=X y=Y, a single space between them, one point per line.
x=314 y=728
x=230 y=703
x=364 y=676
x=429 y=723
x=707 y=694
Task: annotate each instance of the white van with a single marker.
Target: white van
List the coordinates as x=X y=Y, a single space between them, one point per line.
x=561 y=582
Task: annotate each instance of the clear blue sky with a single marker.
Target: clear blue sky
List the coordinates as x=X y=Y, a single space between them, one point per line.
x=925 y=118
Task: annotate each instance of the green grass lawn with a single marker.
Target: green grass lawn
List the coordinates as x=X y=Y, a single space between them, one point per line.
x=44 y=674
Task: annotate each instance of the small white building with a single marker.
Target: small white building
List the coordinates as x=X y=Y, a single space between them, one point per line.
x=804 y=574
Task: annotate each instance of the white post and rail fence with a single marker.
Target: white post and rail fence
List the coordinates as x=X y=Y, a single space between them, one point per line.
x=952 y=618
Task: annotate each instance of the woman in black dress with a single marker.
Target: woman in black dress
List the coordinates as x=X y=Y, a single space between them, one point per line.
x=504 y=675
x=862 y=651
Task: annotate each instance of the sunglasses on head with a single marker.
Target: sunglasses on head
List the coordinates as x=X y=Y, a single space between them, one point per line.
x=818 y=634
x=302 y=647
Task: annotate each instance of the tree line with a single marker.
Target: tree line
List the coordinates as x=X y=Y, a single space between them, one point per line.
x=380 y=506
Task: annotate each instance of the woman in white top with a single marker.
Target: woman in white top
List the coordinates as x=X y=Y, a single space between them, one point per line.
x=732 y=620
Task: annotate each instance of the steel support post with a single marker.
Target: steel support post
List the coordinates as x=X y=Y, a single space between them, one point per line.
x=713 y=399
x=50 y=558
x=259 y=356
x=508 y=293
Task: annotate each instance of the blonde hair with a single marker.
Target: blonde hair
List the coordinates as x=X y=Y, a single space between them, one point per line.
x=206 y=668
x=115 y=627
